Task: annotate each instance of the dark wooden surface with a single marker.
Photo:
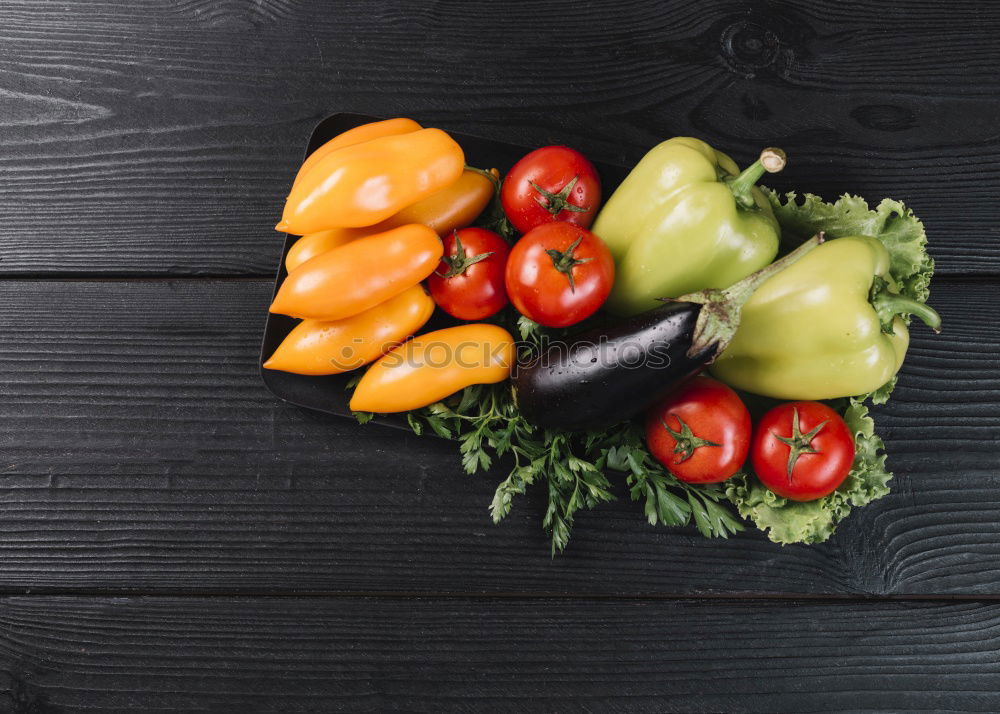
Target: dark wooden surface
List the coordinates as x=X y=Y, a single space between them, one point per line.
x=357 y=654
x=172 y=538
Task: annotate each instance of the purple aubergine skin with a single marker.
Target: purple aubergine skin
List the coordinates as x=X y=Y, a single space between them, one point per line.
x=601 y=377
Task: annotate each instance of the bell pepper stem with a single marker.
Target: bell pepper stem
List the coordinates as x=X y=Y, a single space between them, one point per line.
x=888 y=305
x=772 y=160
x=720 y=309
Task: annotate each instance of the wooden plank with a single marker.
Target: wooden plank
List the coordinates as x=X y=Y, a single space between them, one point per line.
x=139 y=451
x=158 y=138
x=507 y=655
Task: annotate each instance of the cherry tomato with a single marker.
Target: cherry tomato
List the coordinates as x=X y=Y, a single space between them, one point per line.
x=802 y=450
x=469 y=282
x=700 y=431
x=559 y=274
x=554 y=183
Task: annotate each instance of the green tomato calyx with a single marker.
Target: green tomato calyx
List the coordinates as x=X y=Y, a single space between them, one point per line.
x=687 y=442
x=556 y=203
x=458 y=262
x=565 y=261
x=798 y=443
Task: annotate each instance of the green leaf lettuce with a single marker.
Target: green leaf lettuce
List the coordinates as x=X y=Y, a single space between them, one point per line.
x=814 y=521
x=903 y=235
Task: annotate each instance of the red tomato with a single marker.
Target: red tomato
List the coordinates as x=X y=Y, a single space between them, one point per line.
x=559 y=274
x=554 y=183
x=802 y=450
x=700 y=431
x=469 y=283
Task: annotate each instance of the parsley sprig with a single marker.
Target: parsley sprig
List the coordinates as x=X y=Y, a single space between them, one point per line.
x=573 y=467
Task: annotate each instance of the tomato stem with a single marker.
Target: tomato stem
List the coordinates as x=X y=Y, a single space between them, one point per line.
x=799 y=443
x=687 y=442
x=458 y=262
x=564 y=262
x=556 y=203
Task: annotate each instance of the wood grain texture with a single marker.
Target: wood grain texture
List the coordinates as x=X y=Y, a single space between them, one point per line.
x=159 y=137
x=433 y=655
x=140 y=452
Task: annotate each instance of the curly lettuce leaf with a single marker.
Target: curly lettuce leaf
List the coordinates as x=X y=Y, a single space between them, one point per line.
x=903 y=235
x=815 y=521
x=891 y=222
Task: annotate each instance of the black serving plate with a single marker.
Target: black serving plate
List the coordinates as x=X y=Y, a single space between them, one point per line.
x=329 y=394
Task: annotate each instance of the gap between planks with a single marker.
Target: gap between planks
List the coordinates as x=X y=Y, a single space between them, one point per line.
x=832 y=598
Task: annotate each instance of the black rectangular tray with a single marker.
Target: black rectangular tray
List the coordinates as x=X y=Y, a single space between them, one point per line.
x=329 y=394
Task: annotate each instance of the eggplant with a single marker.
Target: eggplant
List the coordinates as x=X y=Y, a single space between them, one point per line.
x=603 y=376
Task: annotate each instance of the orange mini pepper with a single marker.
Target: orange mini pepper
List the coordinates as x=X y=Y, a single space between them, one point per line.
x=358 y=135
x=453 y=207
x=317 y=347
x=363 y=184
x=308 y=247
x=434 y=365
x=358 y=276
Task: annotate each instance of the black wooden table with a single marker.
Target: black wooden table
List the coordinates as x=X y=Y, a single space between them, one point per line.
x=172 y=538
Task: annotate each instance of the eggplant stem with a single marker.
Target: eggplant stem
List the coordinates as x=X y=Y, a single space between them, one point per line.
x=720 y=309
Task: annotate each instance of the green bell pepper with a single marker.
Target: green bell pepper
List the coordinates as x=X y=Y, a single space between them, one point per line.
x=827 y=326
x=683 y=221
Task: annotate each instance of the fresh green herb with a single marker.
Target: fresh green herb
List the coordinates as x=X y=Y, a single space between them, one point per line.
x=666 y=500
x=362 y=417
x=572 y=467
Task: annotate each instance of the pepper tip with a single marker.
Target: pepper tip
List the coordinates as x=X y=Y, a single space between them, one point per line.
x=276 y=308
